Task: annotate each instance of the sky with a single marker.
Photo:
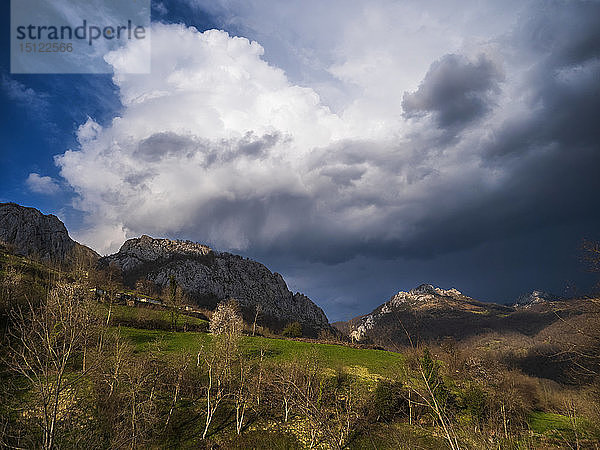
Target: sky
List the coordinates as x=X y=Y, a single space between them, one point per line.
x=357 y=148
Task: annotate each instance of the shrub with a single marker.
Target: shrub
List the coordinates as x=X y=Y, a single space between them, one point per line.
x=388 y=401
x=474 y=400
x=293 y=329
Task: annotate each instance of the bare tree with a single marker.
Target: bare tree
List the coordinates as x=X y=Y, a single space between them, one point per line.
x=140 y=394
x=285 y=383
x=180 y=366
x=43 y=344
x=217 y=372
x=242 y=394
x=259 y=381
x=258 y=311
x=581 y=343
x=174 y=298
x=226 y=326
x=300 y=385
x=346 y=408
x=430 y=391
x=111 y=280
x=126 y=386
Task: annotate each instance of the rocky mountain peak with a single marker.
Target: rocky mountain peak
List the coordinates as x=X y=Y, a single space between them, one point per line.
x=151 y=249
x=32 y=233
x=423 y=289
x=422 y=294
x=209 y=276
x=535 y=297
x=429 y=289
x=424 y=300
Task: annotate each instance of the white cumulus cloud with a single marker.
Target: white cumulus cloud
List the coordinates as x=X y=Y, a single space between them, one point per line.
x=219 y=146
x=42 y=185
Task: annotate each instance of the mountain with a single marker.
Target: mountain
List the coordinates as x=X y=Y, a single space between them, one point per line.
x=428 y=313
x=31 y=233
x=209 y=276
x=534 y=298
x=526 y=334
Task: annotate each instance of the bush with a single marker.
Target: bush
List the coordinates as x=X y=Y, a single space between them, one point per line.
x=388 y=401
x=474 y=401
x=293 y=330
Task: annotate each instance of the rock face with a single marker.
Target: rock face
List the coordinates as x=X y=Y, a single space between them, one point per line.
x=534 y=298
x=32 y=233
x=209 y=276
x=424 y=296
x=425 y=313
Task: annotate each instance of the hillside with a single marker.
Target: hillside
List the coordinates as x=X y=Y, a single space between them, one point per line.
x=129 y=381
x=32 y=233
x=429 y=314
x=541 y=335
x=208 y=277
x=425 y=313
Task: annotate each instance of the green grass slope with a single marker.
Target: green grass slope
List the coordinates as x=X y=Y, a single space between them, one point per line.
x=362 y=362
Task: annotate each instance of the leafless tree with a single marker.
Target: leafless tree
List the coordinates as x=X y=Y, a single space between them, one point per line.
x=258 y=311
x=140 y=394
x=426 y=387
x=580 y=343
x=44 y=341
x=174 y=298
x=126 y=385
x=110 y=280
x=217 y=372
x=285 y=383
x=301 y=386
x=226 y=326
x=259 y=378
x=242 y=391
x=346 y=408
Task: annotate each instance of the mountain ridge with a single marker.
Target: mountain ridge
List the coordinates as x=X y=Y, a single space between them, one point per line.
x=535 y=297
x=210 y=276
x=206 y=276
x=423 y=300
x=32 y=233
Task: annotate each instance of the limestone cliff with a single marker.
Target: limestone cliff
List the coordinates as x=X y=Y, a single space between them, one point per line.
x=208 y=277
x=32 y=233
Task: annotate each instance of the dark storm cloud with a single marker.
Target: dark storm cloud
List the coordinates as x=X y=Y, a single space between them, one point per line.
x=548 y=159
x=563 y=87
x=567 y=32
x=161 y=145
x=503 y=150
x=343 y=175
x=169 y=144
x=456 y=90
x=250 y=145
